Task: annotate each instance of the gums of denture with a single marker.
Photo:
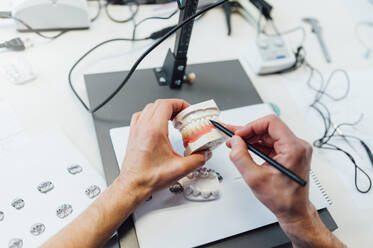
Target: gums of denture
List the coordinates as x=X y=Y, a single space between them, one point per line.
x=196 y=129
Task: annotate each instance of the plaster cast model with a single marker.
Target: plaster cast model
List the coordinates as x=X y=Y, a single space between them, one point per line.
x=197 y=131
x=200 y=185
x=199 y=135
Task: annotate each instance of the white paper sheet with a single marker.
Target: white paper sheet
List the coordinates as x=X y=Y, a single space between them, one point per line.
x=169 y=220
x=359 y=101
x=45 y=158
x=12 y=134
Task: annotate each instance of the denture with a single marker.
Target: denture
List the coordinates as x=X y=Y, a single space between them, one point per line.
x=199 y=135
x=197 y=131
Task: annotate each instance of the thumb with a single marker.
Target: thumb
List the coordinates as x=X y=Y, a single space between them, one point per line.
x=193 y=162
x=241 y=158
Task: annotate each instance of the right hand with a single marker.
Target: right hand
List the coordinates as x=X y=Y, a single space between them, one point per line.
x=285 y=198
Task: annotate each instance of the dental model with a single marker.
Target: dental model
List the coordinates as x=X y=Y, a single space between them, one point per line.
x=197 y=131
x=200 y=185
x=199 y=135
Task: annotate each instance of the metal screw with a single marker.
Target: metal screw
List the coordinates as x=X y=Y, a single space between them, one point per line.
x=158 y=70
x=162 y=80
x=180 y=67
x=185 y=77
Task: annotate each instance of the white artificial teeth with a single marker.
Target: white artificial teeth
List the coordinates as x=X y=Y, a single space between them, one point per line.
x=191 y=175
x=201 y=185
x=215 y=193
x=194 y=120
x=195 y=192
x=188 y=191
x=206 y=194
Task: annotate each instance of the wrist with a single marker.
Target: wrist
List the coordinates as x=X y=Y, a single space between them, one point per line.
x=132 y=188
x=309 y=230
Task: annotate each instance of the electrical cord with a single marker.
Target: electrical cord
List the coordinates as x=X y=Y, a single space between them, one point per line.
x=289 y=31
x=131 y=4
x=84 y=56
x=330 y=132
x=140 y=59
x=99 y=10
x=8 y=15
x=152 y=18
x=358 y=27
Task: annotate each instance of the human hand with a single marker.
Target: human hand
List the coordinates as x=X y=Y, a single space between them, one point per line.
x=151 y=163
x=285 y=198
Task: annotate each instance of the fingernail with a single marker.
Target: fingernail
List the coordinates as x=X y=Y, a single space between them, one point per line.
x=208 y=155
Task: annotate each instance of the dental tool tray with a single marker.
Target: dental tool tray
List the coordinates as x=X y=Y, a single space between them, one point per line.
x=226 y=82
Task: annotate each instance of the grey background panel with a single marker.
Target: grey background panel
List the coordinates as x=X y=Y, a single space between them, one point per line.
x=226 y=82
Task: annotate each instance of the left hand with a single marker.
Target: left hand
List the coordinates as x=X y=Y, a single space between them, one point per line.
x=151 y=163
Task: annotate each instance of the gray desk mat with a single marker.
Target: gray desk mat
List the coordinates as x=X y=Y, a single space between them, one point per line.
x=226 y=82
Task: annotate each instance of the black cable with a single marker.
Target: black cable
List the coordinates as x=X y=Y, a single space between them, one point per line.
x=152 y=18
x=85 y=55
x=139 y=60
x=286 y=32
x=321 y=109
x=37 y=32
x=99 y=9
x=324 y=142
x=130 y=3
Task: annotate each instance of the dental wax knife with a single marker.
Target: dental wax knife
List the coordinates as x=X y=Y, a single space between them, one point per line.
x=272 y=162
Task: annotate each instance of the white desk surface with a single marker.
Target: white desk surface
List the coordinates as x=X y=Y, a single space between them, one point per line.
x=48 y=101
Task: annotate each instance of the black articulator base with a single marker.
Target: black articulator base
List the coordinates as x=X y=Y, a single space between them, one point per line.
x=226 y=82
